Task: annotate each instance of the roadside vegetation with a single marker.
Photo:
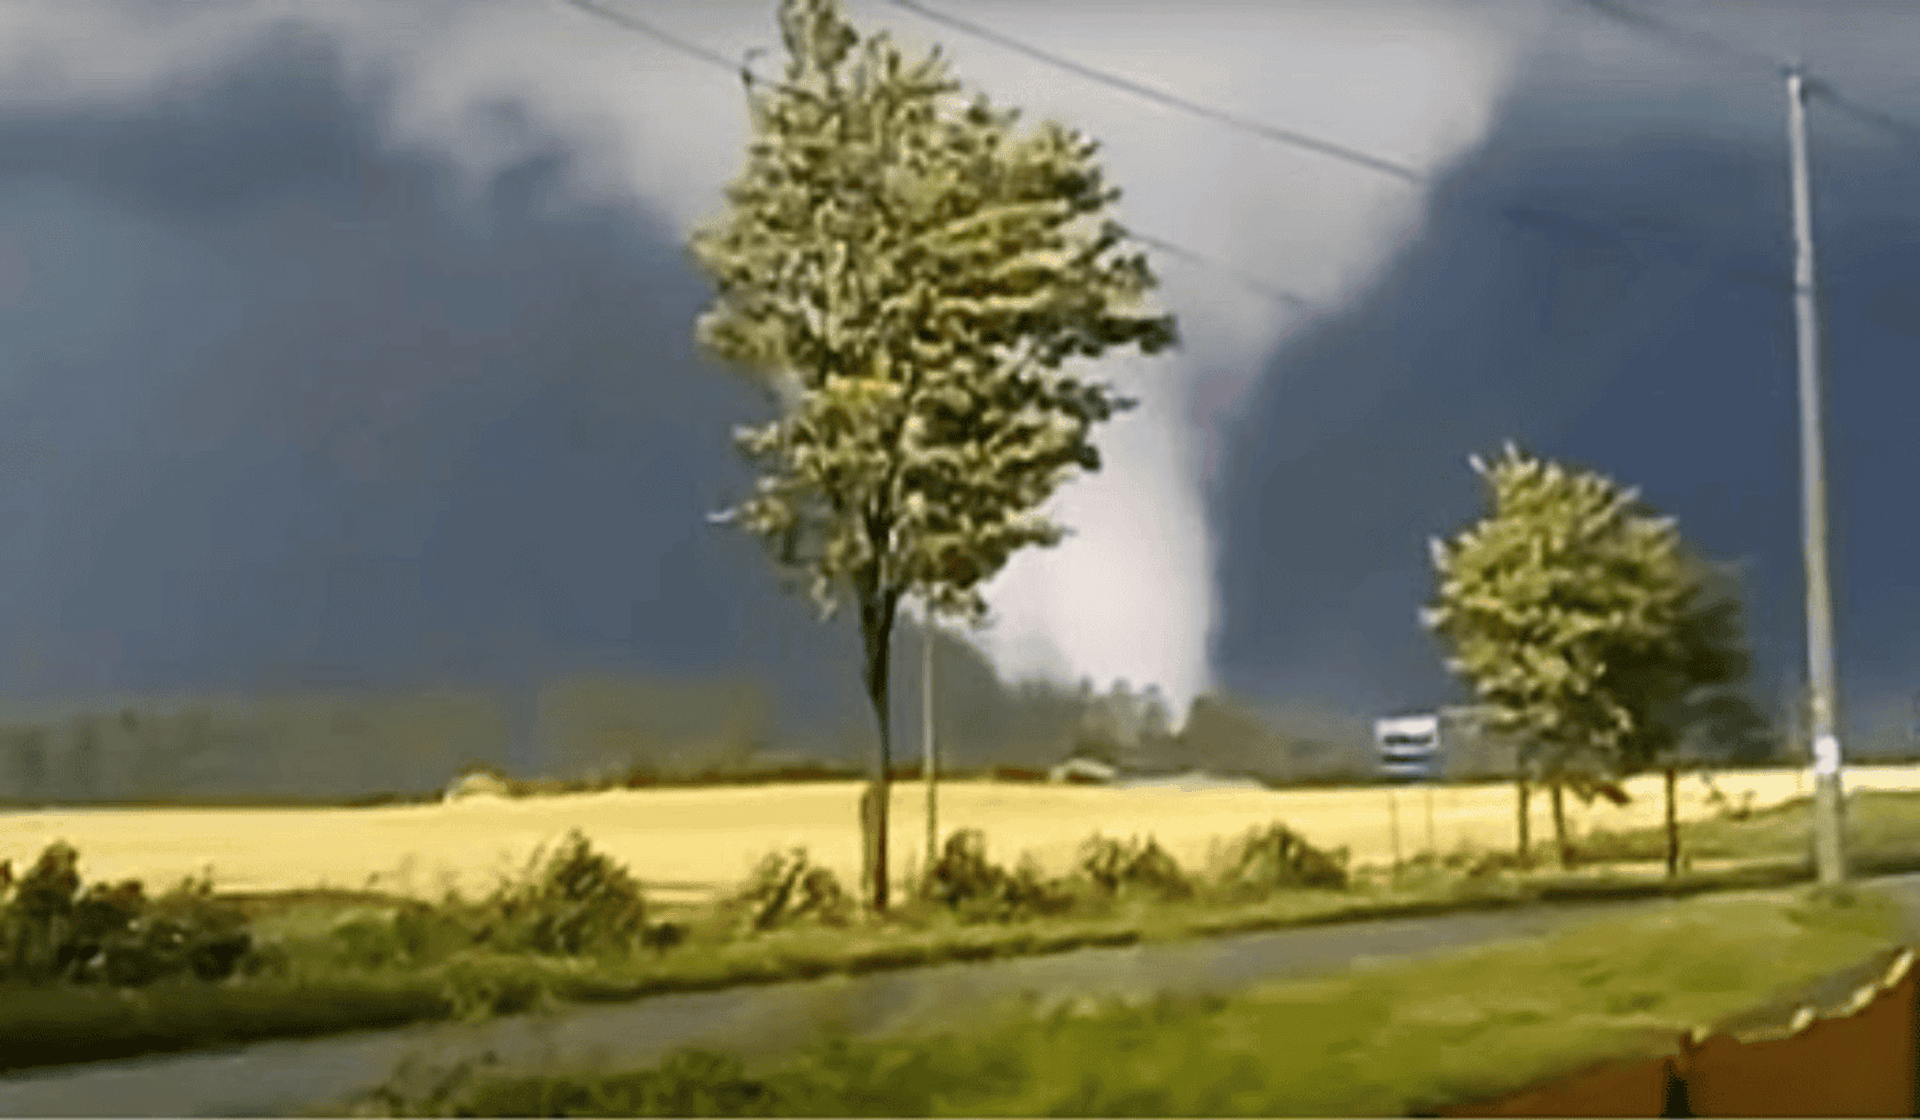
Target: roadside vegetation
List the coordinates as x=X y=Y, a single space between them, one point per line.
x=99 y=971
x=1399 y=1039
x=1883 y=830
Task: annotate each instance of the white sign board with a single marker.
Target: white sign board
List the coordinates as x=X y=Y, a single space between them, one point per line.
x=1826 y=755
x=1409 y=733
x=1408 y=745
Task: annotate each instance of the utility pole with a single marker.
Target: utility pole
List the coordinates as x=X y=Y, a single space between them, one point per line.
x=1828 y=854
x=1431 y=849
x=931 y=767
x=1393 y=826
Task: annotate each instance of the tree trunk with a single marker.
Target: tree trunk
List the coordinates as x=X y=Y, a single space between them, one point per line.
x=1524 y=849
x=932 y=760
x=1561 y=846
x=876 y=630
x=1673 y=828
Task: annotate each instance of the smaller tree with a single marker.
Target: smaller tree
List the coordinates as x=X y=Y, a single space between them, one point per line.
x=1694 y=711
x=1583 y=624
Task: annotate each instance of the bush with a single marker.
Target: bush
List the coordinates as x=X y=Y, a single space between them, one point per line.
x=963 y=874
x=582 y=902
x=1029 y=892
x=423 y=933
x=1115 y=867
x=966 y=882
x=1276 y=858
x=51 y=930
x=786 y=888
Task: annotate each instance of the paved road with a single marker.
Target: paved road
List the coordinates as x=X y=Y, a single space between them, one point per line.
x=281 y=1078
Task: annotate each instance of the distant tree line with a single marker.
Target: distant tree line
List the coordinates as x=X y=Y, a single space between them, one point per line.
x=317 y=748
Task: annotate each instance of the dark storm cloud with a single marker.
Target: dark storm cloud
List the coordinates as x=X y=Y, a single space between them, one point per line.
x=297 y=427
x=276 y=413
x=1605 y=282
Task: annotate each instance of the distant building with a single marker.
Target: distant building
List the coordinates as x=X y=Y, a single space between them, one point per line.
x=1083 y=771
x=477 y=784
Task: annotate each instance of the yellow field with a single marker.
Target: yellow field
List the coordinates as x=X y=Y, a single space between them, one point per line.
x=689 y=841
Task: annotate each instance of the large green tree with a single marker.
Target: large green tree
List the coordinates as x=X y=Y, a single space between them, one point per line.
x=910 y=276
x=1589 y=631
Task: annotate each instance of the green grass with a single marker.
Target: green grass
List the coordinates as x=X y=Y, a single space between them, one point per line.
x=335 y=961
x=1384 y=1041
x=58 y=1025
x=1880 y=825
x=326 y=983
x=341 y=961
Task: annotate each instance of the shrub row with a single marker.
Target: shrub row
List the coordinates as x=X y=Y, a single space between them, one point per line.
x=580 y=902
x=52 y=930
x=1258 y=863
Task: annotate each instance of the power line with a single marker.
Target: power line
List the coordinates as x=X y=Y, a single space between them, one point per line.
x=1281 y=135
x=1692 y=37
x=694 y=50
x=1699 y=40
x=1532 y=217
x=1518 y=216
x=1906 y=130
x=1702 y=41
x=1279 y=295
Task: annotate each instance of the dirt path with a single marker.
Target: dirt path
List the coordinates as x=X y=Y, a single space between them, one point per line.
x=280 y=1078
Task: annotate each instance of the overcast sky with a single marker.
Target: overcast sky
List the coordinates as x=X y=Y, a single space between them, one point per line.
x=355 y=338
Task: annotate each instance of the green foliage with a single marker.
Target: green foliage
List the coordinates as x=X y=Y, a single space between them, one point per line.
x=966 y=882
x=1584 y=625
x=786 y=889
x=689 y=1082
x=412 y=935
x=1393 y=1040
x=379 y=961
x=907 y=278
x=1132 y=867
x=51 y=930
x=581 y=902
x=478 y=989
x=1262 y=861
x=910 y=277
x=573 y=903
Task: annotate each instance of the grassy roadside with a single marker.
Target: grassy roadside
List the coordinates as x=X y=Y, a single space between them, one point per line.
x=1392 y=1040
x=1878 y=823
x=352 y=960
x=322 y=992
